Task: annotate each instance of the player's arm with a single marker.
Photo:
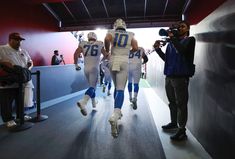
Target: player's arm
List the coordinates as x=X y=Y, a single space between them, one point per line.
x=105 y=53
x=145 y=58
x=76 y=56
x=134 y=44
x=107 y=42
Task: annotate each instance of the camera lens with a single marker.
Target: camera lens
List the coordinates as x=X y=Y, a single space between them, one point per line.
x=163 y=32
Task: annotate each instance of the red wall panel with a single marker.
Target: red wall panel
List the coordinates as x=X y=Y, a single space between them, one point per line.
x=199 y=9
x=39 y=29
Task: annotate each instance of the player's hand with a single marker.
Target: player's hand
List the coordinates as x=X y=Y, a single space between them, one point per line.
x=108 y=56
x=77 y=67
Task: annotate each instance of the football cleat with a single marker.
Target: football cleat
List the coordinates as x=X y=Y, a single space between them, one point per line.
x=82 y=104
x=113 y=120
x=134 y=103
x=114 y=128
x=104 y=87
x=94 y=103
x=82 y=109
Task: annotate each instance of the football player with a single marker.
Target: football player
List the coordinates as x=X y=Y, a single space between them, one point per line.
x=135 y=61
x=107 y=76
x=91 y=51
x=120 y=41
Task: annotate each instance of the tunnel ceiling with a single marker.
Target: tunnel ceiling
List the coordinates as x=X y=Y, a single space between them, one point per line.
x=91 y=14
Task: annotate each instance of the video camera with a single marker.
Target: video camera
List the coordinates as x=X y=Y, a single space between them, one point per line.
x=174 y=29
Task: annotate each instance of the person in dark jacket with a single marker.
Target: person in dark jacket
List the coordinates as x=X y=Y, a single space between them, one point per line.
x=56 y=59
x=179 y=67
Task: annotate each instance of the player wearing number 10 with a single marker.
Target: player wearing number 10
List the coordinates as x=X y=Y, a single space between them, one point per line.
x=91 y=50
x=120 y=42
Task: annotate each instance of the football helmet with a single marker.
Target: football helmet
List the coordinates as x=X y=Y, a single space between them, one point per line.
x=91 y=35
x=119 y=23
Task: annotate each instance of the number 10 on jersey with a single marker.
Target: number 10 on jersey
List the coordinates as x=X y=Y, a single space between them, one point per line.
x=120 y=40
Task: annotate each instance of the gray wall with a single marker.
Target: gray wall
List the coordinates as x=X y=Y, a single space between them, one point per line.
x=212 y=89
x=58 y=81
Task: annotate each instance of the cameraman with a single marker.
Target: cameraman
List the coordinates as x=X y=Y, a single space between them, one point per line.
x=62 y=59
x=179 y=67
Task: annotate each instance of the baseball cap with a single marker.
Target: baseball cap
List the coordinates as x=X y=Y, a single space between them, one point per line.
x=16 y=36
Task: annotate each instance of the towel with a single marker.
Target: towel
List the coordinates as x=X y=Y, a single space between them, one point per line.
x=116 y=66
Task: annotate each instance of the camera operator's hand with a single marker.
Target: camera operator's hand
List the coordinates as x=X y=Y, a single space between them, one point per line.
x=157 y=44
x=77 y=67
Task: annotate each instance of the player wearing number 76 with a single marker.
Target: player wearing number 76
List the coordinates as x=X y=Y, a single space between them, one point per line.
x=91 y=51
x=120 y=41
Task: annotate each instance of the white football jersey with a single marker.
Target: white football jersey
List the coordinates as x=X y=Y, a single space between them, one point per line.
x=135 y=62
x=136 y=56
x=121 y=44
x=91 y=52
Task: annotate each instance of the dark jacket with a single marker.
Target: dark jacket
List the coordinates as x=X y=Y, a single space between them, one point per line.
x=179 y=57
x=55 y=60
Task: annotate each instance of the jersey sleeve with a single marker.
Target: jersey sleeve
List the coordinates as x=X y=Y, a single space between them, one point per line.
x=100 y=43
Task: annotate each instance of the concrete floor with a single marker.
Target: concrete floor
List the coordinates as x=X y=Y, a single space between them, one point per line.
x=188 y=149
